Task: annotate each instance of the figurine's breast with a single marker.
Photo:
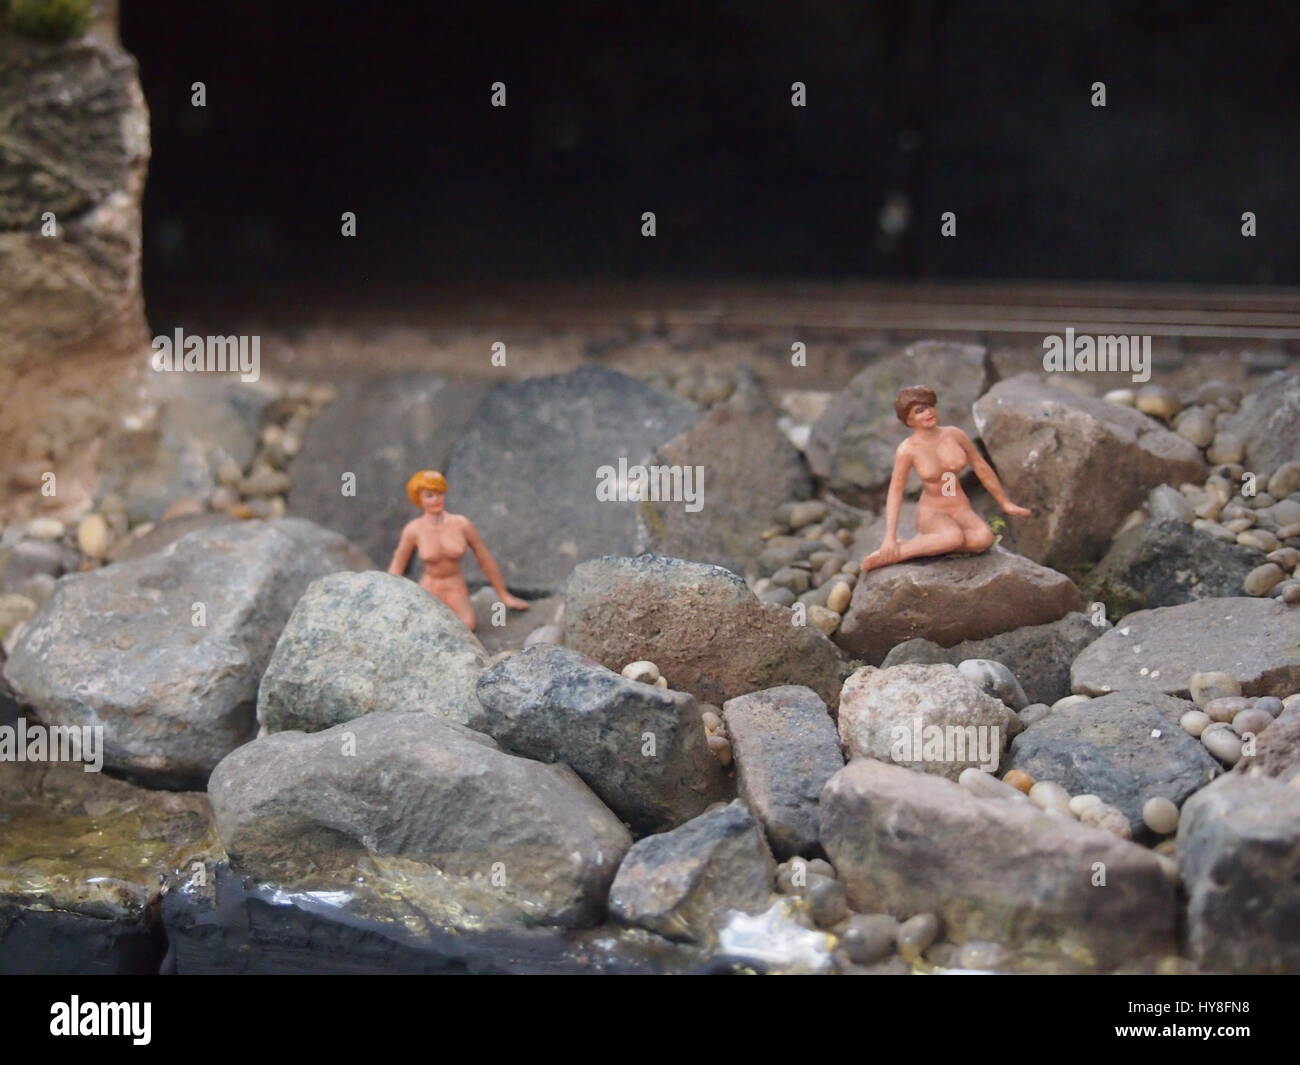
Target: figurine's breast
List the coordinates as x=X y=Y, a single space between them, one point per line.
x=442 y=546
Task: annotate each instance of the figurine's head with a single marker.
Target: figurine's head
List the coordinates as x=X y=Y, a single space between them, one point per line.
x=426 y=490
x=915 y=407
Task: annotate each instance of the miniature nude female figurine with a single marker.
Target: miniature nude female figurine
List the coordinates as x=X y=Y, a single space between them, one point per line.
x=441 y=540
x=945 y=520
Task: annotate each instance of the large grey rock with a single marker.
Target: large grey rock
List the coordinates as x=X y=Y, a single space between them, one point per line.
x=526 y=468
x=1268 y=423
x=123 y=646
x=993 y=869
x=1109 y=747
x=74 y=141
x=786 y=748
x=852 y=444
x=1080 y=464
x=1276 y=752
x=929 y=718
x=1166 y=563
x=360 y=642
x=1039 y=655
x=700 y=624
x=1255 y=641
x=682 y=884
x=382 y=430
x=510 y=834
x=749 y=468
x=640 y=748
x=1239 y=855
x=951 y=599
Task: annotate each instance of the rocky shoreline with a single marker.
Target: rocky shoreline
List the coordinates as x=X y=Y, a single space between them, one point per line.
x=710 y=745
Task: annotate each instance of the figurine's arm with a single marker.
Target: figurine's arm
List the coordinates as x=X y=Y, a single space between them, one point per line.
x=894 y=500
x=490 y=568
x=402 y=556
x=988 y=477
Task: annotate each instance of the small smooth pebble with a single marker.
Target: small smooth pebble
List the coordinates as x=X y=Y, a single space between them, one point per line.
x=1195 y=722
x=1107 y=818
x=1034 y=712
x=986 y=786
x=1160 y=815
x=662 y=682
x=711 y=720
x=46 y=529
x=840 y=596
x=1079 y=803
x=1048 y=795
x=1212 y=685
x=1070 y=700
x=1223 y=743
x=1253 y=720
x=1260 y=581
x=983 y=956
x=93 y=536
x=916 y=934
x=1018 y=779
x=1196 y=425
x=721 y=748
x=1259 y=539
x=870 y=937
x=1270 y=704
x=1226 y=447
x=1121 y=397
x=830 y=904
x=1158 y=401
x=641 y=671
x=1226 y=708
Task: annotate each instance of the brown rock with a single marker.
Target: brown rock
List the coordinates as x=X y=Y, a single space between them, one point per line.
x=1080 y=464
x=951 y=599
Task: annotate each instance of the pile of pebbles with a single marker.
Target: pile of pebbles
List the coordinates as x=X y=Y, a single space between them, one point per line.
x=715 y=730
x=1225 y=719
x=805 y=559
x=44 y=548
x=706 y=386
x=1267 y=521
x=871 y=938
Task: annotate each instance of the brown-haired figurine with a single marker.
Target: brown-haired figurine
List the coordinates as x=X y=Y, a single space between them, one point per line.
x=945 y=521
x=441 y=540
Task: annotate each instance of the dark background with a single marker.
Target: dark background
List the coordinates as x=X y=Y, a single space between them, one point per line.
x=684 y=109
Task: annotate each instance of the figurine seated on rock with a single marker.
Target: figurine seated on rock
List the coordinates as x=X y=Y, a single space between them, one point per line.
x=441 y=539
x=945 y=521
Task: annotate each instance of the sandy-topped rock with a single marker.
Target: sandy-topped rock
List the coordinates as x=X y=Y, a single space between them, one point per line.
x=508 y=833
x=360 y=642
x=700 y=624
x=1256 y=642
x=950 y=599
x=1080 y=464
x=639 y=747
x=993 y=869
x=1268 y=423
x=166 y=651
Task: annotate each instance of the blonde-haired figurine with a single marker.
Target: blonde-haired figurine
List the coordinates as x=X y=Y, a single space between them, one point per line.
x=946 y=523
x=441 y=539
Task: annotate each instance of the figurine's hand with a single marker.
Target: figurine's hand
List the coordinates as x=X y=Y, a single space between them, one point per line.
x=887 y=555
x=515 y=603
x=1016 y=511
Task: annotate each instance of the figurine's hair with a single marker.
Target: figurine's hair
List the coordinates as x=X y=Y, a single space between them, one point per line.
x=911 y=397
x=430 y=480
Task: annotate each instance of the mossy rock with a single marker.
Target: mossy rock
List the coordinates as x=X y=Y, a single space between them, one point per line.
x=49 y=20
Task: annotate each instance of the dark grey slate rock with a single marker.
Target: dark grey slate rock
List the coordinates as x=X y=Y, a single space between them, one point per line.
x=682 y=884
x=786 y=747
x=526 y=468
x=1163 y=564
x=1106 y=747
x=640 y=748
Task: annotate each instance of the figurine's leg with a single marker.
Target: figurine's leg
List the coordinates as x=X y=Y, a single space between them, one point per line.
x=944 y=537
x=976 y=535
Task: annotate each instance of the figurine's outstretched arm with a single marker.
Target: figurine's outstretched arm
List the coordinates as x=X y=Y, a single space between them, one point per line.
x=402 y=555
x=490 y=568
x=988 y=477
